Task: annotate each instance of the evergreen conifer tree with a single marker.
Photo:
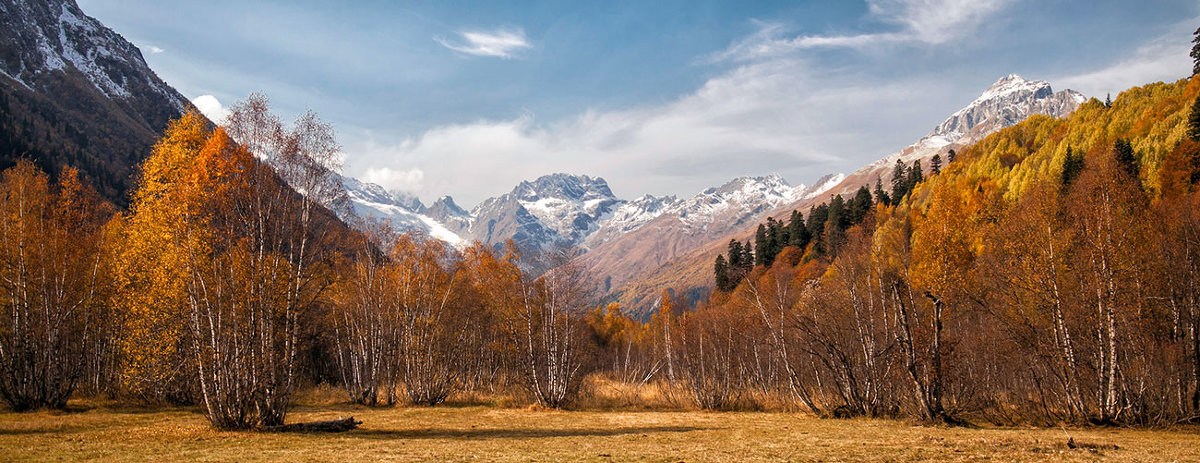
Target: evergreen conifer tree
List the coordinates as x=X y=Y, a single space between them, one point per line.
x=760 y=245
x=721 y=272
x=735 y=254
x=797 y=231
x=935 y=164
x=915 y=176
x=1195 y=54
x=860 y=205
x=1126 y=158
x=1194 y=121
x=899 y=181
x=1072 y=166
x=880 y=195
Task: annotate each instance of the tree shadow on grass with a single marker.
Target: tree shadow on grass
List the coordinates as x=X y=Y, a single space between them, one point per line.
x=33 y=431
x=480 y=434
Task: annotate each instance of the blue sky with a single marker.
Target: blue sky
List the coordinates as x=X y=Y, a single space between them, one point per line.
x=657 y=97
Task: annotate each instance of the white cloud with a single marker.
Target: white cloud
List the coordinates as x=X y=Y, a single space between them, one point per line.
x=397 y=180
x=155 y=50
x=935 y=21
x=920 y=21
x=212 y=108
x=502 y=43
x=1163 y=59
x=767 y=117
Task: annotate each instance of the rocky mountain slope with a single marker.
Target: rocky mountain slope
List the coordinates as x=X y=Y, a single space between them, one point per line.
x=579 y=211
x=712 y=214
x=1010 y=100
x=636 y=283
x=73 y=92
x=372 y=202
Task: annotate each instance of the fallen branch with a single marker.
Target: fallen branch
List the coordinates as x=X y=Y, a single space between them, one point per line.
x=342 y=425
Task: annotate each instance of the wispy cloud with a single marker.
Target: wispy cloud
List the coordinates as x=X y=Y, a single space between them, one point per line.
x=919 y=21
x=155 y=50
x=501 y=43
x=764 y=118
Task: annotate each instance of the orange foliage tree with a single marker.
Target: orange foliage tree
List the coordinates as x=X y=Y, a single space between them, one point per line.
x=52 y=285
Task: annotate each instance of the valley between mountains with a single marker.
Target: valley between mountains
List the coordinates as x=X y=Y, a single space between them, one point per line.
x=635 y=248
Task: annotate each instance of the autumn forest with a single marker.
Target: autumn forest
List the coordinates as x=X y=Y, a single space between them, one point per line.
x=1049 y=274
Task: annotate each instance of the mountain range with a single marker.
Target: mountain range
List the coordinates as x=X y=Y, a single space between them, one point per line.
x=75 y=93
x=634 y=248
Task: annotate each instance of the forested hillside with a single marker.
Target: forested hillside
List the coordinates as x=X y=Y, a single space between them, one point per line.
x=74 y=93
x=1049 y=274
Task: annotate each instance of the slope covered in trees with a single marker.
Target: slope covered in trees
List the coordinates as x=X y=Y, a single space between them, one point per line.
x=74 y=93
x=1049 y=274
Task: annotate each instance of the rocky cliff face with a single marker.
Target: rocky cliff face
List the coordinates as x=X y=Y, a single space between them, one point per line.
x=684 y=226
x=75 y=93
x=449 y=214
x=1010 y=100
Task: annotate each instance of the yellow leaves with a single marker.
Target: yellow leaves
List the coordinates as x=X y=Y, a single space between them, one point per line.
x=1153 y=117
x=944 y=236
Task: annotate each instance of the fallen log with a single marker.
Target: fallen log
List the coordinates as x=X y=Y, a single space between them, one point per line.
x=342 y=425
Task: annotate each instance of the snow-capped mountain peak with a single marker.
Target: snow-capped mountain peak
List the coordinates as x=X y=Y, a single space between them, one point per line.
x=742 y=197
x=402 y=212
x=826 y=183
x=570 y=205
x=365 y=192
x=629 y=216
x=1008 y=101
x=56 y=35
x=563 y=186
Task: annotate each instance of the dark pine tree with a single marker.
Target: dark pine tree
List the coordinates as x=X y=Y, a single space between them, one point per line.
x=1196 y=52
x=1108 y=100
x=860 y=205
x=797 y=231
x=816 y=226
x=915 y=176
x=880 y=195
x=935 y=164
x=1072 y=166
x=721 y=272
x=775 y=240
x=951 y=156
x=761 y=246
x=838 y=221
x=899 y=181
x=1194 y=120
x=1126 y=157
x=735 y=254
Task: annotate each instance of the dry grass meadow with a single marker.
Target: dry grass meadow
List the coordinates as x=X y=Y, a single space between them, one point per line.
x=100 y=430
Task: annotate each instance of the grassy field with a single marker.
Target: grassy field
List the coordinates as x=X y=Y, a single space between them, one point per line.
x=96 y=430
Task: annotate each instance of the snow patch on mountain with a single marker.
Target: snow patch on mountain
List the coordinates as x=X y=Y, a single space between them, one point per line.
x=1008 y=101
x=823 y=184
x=742 y=196
x=55 y=35
x=372 y=202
